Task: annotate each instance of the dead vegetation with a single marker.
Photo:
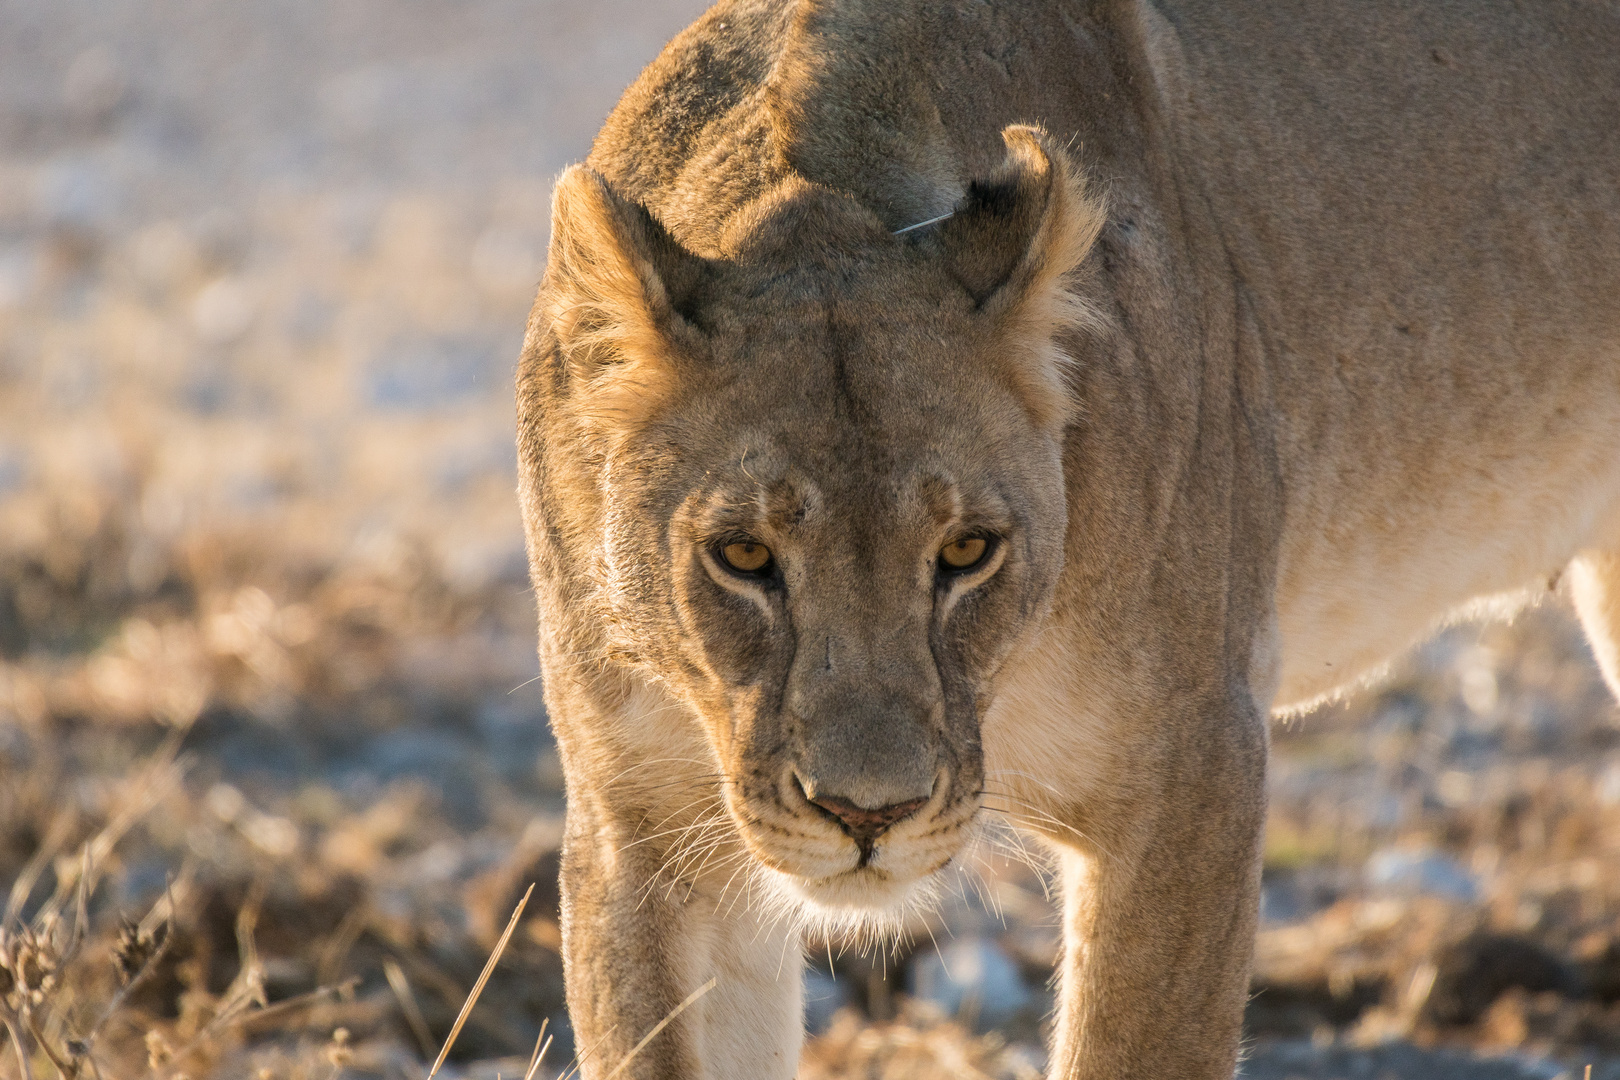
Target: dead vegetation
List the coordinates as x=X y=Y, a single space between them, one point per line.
x=1442 y=862
x=260 y=817
x=254 y=793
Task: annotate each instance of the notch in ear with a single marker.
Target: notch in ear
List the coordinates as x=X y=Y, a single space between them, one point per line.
x=1013 y=242
x=619 y=295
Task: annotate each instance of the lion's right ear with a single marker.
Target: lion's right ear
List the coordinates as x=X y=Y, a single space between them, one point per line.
x=1012 y=243
x=1018 y=232
x=618 y=292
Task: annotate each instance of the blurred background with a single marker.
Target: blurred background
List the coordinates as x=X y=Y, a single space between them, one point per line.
x=274 y=768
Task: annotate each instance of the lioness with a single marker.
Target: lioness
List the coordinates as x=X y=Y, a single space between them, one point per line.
x=932 y=407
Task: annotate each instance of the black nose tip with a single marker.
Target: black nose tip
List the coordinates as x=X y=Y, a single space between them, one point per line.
x=864 y=826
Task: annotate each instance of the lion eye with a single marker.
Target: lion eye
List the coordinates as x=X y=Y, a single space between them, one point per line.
x=746 y=557
x=964 y=553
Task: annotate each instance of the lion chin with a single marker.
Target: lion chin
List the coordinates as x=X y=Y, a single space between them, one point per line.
x=868 y=904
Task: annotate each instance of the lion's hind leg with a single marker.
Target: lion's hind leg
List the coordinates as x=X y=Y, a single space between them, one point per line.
x=1594 y=580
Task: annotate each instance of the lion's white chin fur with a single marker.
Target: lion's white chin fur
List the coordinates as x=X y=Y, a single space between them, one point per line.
x=872 y=905
x=867 y=906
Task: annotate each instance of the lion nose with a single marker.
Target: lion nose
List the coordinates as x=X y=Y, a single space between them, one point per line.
x=865 y=825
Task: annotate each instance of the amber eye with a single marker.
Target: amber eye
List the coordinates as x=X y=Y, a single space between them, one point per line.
x=964 y=553
x=746 y=557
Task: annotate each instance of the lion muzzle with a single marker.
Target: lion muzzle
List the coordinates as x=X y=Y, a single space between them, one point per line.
x=861 y=824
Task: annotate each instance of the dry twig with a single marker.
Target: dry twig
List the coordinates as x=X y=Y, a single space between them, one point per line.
x=478 y=987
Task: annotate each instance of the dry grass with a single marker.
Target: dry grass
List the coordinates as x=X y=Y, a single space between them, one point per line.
x=1457 y=827
x=920 y=1044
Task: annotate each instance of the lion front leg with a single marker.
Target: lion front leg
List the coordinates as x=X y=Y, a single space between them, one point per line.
x=638 y=940
x=1161 y=895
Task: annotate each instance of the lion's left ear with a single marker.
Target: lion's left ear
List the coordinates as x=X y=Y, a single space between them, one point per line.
x=1012 y=243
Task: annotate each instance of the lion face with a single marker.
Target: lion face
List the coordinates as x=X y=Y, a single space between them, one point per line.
x=851 y=548
x=828 y=475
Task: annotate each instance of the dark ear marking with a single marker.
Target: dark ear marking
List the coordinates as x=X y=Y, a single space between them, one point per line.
x=1028 y=220
x=993 y=197
x=684 y=276
x=990 y=232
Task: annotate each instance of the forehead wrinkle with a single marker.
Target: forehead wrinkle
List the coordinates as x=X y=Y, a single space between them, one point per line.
x=939 y=496
x=790 y=503
x=758 y=459
x=948 y=502
x=736 y=489
x=780 y=506
x=993 y=509
x=717 y=508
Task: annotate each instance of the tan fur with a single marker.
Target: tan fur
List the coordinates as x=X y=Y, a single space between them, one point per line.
x=1325 y=352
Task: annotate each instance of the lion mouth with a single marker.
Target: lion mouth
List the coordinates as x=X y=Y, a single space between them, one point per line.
x=829 y=854
x=865 y=871
x=884 y=874
x=868 y=902
x=862 y=825
x=855 y=875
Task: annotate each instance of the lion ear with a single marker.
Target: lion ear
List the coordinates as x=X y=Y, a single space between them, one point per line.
x=1013 y=242
x=1019 y=231
x=619 y=295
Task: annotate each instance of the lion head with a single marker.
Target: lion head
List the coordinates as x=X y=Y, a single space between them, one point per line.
x=811 y=484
